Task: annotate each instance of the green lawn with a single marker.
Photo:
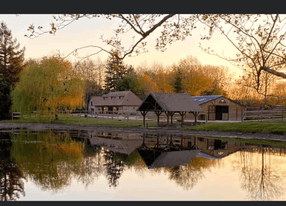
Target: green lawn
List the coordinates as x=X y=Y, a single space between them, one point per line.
x=63 y=119
x=253 y=127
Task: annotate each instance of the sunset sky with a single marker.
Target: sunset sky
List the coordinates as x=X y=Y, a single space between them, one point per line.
x=88 y=31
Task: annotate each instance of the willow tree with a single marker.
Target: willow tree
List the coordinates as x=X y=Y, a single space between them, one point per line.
x=48 y=85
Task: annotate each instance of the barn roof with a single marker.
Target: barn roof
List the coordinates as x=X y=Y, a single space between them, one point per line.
x=169 y=102
x=120 y=98
x=204 y=99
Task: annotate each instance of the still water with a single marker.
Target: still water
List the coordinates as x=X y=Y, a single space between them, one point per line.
x=96 y=165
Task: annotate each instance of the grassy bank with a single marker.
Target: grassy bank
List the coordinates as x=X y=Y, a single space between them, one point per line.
x=252 y=127
x=63 y=119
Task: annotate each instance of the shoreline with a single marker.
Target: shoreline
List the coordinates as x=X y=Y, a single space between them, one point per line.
x=7 y=126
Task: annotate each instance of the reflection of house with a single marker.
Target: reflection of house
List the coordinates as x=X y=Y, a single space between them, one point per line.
x=115 y=142
x=218 y=107
x=209 y=147
x=166 y=150
x=217 y=148
x=120 y=102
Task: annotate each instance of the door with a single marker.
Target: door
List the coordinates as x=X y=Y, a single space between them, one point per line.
x=221 y=112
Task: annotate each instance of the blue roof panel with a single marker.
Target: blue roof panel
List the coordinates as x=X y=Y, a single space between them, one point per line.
x=203 y=99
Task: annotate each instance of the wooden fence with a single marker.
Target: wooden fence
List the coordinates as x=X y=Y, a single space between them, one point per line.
x=265 y=114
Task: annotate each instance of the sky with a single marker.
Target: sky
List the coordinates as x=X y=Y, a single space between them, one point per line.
x=86 y=32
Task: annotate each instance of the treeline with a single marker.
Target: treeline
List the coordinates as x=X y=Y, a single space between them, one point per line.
x=188 y=75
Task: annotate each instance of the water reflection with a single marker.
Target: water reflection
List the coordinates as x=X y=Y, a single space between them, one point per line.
x=11 y=177
x=260 y=176
x=51 y=159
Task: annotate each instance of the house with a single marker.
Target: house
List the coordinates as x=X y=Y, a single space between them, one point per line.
x=169 y=103
x=219 y=107
x=118 y=102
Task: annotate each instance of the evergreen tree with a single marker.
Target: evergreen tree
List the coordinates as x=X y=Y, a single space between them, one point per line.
x=5 y=100
x=115 y=69
x=11 y=57
x=11 y=64
x=178 y=82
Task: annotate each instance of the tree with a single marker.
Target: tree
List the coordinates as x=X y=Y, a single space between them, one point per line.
x=258 y=39
x=175 y=27
x=92 y=75
x=5 y=100
x=48 y=85
x=11 y=64
x=194 y=78
x=177 y=85
x=115 y=69
x=127 y=83
x=11 y=56
x=11 y=177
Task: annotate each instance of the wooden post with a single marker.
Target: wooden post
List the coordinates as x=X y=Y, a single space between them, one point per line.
x=144 y=114
x=158 y=113
x=172 y=114
x=196 y=114
x=167 y=114
x=182 y=117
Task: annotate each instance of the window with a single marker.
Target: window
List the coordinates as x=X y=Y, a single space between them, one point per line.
x=222 y=101
x=121 y=97
x=112 y=98
x=91 y=103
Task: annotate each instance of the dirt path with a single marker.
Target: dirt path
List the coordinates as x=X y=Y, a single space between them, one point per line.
x=6 y=127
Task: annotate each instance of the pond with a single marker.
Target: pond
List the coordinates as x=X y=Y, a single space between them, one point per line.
x=54 y=165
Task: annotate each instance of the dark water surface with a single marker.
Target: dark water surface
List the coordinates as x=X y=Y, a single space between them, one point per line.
x=83 y=165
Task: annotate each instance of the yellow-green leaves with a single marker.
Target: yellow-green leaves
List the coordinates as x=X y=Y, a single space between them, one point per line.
x=48 y=85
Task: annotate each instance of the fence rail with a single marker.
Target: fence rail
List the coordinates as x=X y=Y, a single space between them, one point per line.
x=265 y=114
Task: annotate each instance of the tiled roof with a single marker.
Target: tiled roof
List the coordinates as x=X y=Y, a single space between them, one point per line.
x=203 y=99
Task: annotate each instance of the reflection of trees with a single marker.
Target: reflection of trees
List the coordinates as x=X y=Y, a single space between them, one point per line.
x=11 y=178
x=91 y=167
x=134 y=161
x=113 y=168
x=187 y=176
x=259 y=178
x=50 y=161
